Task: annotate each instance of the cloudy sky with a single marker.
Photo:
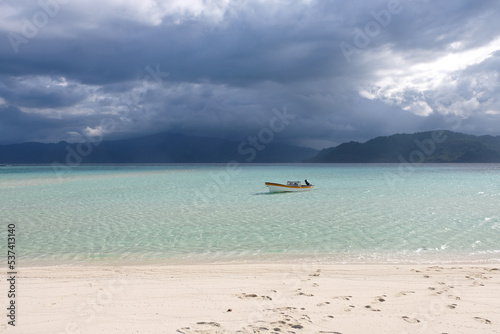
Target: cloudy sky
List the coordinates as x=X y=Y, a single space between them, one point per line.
x=346 y=70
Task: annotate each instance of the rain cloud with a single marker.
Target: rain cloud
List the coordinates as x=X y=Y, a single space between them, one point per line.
x=348 y=70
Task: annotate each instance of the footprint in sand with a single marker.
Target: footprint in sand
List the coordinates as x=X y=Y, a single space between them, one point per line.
x=316 y=274
x=305 y=294
x=410 y=320
x=343 y=297
x=203 y=327
x=404 y=293
x=435 y=268
x=372 y=309
x=278 y=321
x=483 y=320
x=252 y=295
x=291 y=322
x=281 y=309
x=452 y=306
x=442 y=291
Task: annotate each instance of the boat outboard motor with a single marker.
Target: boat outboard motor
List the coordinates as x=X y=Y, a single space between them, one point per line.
x=307 y=182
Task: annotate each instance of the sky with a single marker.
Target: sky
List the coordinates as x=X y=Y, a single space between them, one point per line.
x=314 y=73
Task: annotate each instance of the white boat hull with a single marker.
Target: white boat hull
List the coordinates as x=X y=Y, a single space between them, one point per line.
x=279 y=188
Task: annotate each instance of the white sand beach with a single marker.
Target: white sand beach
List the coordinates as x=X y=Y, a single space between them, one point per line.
x=267 y=298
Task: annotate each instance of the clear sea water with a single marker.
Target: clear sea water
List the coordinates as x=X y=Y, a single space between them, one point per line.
x=219 y=213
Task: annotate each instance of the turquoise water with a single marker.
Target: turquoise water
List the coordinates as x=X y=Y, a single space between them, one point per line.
x=220 y=213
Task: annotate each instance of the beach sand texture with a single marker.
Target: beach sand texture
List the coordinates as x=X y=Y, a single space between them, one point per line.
x=252 y=298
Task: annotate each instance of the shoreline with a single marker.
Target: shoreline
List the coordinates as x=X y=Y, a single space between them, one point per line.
x=490 y=258
x=258 y=298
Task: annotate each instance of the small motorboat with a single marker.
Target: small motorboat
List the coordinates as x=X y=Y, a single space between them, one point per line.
x=289 y=186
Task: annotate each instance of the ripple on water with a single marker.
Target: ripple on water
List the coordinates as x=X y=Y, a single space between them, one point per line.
x=353 y=215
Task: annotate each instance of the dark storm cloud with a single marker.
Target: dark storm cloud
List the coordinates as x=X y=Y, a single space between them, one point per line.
x=219 y=68
x=17 y=126
x=40 y=92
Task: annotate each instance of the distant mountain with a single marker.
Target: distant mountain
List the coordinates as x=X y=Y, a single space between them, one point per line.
x=431 y=146
x=158 y=148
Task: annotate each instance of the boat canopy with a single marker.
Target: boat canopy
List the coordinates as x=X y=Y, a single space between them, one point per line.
x=293 y=183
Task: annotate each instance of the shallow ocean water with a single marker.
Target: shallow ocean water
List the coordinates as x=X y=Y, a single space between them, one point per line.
x=221 y=213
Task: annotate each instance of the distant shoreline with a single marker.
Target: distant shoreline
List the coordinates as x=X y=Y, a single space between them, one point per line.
x=438 y=146
x=258 y=164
